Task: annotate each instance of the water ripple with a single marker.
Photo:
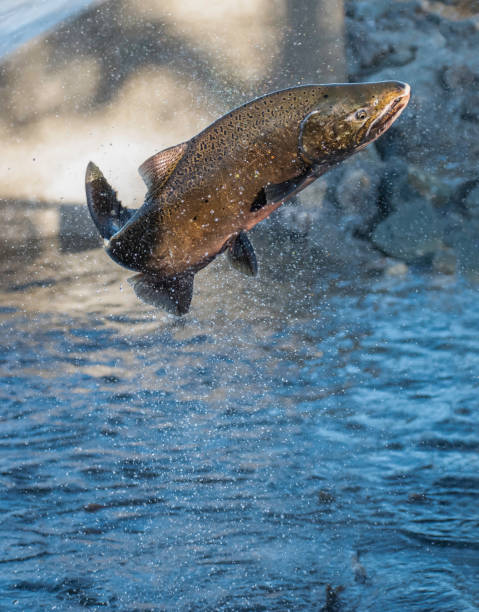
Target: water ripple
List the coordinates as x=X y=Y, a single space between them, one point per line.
x=249 y=456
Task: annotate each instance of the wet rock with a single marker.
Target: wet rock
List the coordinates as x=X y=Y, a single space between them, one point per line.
x=333 y=603
x=301 y=214
x=395 y=187
x=417 y=497
x=364 y=52
x=331 y=214
x=463 y=238
x=444 y=261
x=452 y=9
x=324 y=230
x=462 y=82
x=326 y=497
x=458 y=77
x=357 y=191
x=431 y=153
x=471 y=202
x=440 y=190
x=360 y=574
x=412 y=232
x=399 y=268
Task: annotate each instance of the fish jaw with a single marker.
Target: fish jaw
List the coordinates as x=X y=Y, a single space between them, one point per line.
x=390 y=113
x=348 y=118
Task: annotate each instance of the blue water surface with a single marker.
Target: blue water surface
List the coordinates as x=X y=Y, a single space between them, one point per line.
x=308 y=443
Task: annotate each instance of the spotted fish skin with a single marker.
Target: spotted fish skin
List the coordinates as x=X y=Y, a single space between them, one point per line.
x=208 y=197
x=207 y=192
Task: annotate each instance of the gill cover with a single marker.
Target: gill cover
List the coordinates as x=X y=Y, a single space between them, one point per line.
x=328 y=135
x=348 y=117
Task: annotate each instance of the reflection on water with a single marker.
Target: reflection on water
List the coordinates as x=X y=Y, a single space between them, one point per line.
x=240 y=457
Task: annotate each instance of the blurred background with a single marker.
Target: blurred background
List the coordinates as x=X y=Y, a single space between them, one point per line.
x=304 y=440
x=120 y=80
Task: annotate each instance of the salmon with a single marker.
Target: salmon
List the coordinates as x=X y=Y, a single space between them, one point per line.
x=203 y=195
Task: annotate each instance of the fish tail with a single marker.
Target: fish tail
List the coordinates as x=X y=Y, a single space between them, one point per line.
x=105 y=209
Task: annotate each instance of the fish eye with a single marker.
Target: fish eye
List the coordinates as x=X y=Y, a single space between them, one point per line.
x=361 y=114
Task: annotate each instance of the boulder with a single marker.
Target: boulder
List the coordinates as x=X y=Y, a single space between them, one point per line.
x=431 y=154
x=471 y=201
x=412 y=232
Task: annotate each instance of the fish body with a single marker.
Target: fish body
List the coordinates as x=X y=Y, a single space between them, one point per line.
x=206 y=193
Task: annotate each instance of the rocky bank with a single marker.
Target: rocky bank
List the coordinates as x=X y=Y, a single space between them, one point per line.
x=415 y=197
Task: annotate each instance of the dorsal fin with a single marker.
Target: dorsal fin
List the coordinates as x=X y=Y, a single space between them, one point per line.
x=157 y=168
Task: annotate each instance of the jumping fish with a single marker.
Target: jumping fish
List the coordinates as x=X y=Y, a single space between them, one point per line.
x=206 y=193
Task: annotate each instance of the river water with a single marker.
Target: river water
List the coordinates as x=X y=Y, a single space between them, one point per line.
x=294 y=431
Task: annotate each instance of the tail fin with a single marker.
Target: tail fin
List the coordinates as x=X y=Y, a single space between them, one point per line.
x=106 y=211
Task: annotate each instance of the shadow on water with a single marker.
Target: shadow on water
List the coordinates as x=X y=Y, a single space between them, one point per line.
x=298 y=440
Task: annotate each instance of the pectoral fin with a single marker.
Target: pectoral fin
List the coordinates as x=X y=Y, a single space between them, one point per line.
x=157 y=168
x=281 y=192
x=260 y=201
x=173 y=294
x=242 y=256
x=273 y=195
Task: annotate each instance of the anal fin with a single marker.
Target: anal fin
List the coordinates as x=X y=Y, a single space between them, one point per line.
x=173 y=294
x=242 y=256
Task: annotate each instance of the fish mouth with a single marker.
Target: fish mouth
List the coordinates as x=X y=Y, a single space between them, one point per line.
x=389 y=115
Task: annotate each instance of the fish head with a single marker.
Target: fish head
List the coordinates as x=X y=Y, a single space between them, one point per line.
x=349 y=117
